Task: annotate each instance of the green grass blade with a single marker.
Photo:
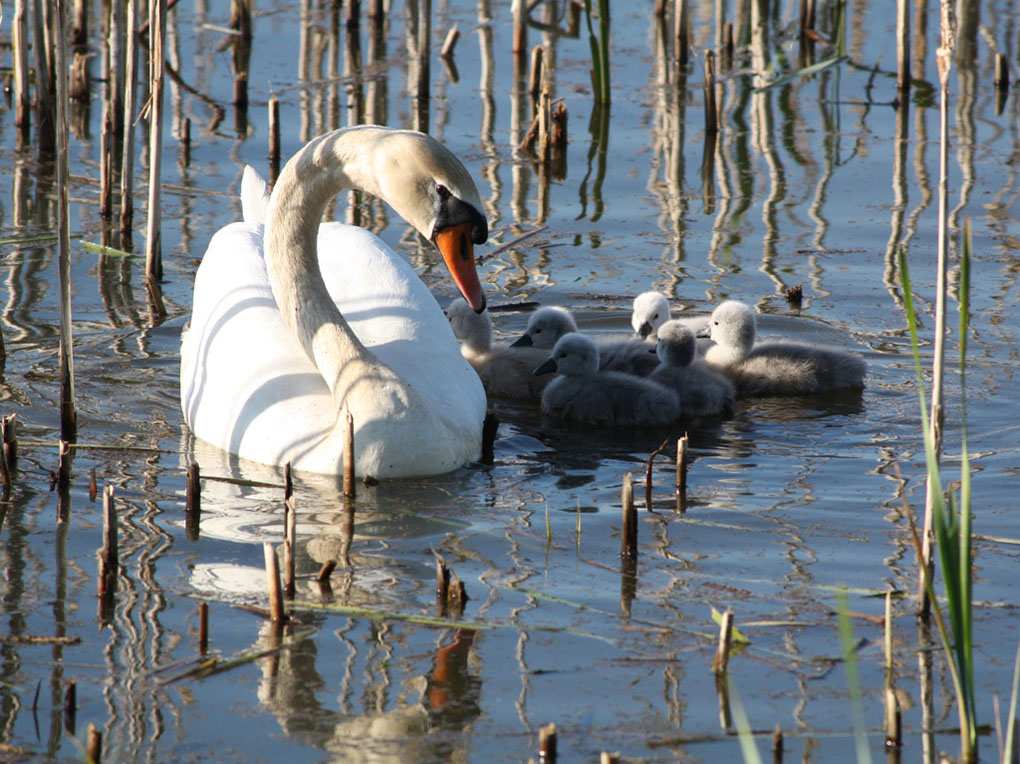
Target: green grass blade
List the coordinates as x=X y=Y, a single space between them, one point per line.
x=846 y=641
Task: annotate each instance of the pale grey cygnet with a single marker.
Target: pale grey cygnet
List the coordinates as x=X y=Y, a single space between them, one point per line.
x=582 y=393
x=776 y=367
x=700 y=390
x=547 y=325
x=506 y=372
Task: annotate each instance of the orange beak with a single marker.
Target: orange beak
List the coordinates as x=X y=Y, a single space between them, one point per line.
x=459 y=253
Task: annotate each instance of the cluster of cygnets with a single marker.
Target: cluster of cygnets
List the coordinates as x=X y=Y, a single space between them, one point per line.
x=672 y=369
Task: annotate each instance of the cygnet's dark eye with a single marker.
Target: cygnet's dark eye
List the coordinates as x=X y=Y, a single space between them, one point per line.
x=655 y=316
x=443 y=191
x=538 y=331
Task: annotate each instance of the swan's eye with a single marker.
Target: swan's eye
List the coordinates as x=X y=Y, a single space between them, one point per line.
x=443 y=191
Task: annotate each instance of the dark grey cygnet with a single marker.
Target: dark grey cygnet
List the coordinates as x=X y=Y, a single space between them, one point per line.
x=701 y=391
x=582 y=393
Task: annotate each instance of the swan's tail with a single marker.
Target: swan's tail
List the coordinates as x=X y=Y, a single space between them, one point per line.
x=254 y=196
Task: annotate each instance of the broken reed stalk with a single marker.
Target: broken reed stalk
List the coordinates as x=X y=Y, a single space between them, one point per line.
x=22 y=95
x=681 y=473
x=326 y=570
x=519 y=9
x=273 y=577
x=903 y=45
x=45 y=119
x=777 y=744
x=722 y=652
x=442 y=579
x=535 y=76
x=94 y=745
x=727 y=46
x=127 y=165
x=450 y=42
x=711 y=110
x=350 y=490
x=547 y=744
x=944 y=58
x=63 y=464
x=628 y=528
x=1001 y=71
x=681 y=31
x=274 y=139
x=203 y=627
x=68 y=412
x=609 y=758
x=109 y=557
x=8 y=449
x=153 y=228
x=193 y=492
x=648 y=474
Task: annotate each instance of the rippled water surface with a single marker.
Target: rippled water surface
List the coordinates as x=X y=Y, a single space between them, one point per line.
x=795 y=506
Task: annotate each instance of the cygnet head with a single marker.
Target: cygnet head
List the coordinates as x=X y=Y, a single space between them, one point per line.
x=574 y=355
x=473 y=329
x=651 y=310
x=732 y=326
x=677 y=346
x=545 y=327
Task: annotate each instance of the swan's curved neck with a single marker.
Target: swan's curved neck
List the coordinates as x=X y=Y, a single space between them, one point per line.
x=333 y=163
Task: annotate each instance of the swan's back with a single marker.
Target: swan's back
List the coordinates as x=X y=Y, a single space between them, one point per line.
x=602 y=398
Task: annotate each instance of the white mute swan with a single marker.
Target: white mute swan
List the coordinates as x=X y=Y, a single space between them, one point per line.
x=582 y=393
x=505 y=371
x=775 y=367
x=700 y=390
x=547 y=325
x=295 y=322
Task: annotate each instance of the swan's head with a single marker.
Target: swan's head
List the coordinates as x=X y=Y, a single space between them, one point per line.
x=732 y=326
x=545 y=327
x=676 y=345
x=473 y=329
x=651 y=310
x=574 y=355
x=431 y=189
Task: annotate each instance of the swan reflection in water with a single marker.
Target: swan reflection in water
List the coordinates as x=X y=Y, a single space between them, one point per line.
x=371 y=725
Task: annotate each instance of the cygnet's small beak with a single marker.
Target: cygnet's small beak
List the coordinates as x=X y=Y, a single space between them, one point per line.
x=524 y=341
x=644 y=330
x=705 y=332
x=546 y=368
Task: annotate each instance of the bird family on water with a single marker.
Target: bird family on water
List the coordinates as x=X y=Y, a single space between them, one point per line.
x=296 y=322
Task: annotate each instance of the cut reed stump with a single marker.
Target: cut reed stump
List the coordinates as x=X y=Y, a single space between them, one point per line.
x=289 y=534
x=350 y=490
x=153 y=229
x=711 y=110
x=94 y=745
x=203 y=627
x=547 y=744
x=722 y=653
x=628 y=527
x=127 y=165
x=273 y=576
x=70 y=704
x=64 y=465
x=193 y=502
x=68 y=412
x=777 y=744
x=109 y=556
x=274 y=139
x=22 y=94
x=681 y=473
